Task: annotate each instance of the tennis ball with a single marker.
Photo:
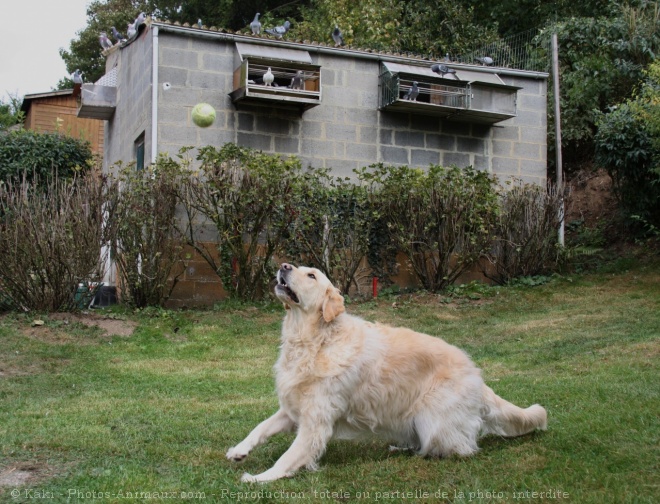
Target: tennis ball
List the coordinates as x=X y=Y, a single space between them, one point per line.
x=203 y=115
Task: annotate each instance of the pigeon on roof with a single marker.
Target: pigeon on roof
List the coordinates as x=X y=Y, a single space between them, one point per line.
x=255 y=25
x=142 y=17
x=268 y=77
x=337 y=37
x=131 y=31
x=412 y=93
x=116 y=35
x=77 y=83
x=278 y=31
x=441 y=69
x=486 y=60
x=199 y=23
x=105 y=42
x=297 y=81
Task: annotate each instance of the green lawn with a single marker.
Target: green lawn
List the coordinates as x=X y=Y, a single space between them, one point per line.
x=91 y=417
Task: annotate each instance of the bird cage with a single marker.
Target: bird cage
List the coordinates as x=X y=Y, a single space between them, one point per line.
x=436 y=96
x=462 y=95
x=283 y=91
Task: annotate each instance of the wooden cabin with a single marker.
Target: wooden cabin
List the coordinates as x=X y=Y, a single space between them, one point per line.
x=56 y=111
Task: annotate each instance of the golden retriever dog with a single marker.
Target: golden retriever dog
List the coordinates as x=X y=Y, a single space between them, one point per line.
x=339 y=376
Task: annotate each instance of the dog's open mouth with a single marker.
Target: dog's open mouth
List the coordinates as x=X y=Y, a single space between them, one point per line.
x=283 y=288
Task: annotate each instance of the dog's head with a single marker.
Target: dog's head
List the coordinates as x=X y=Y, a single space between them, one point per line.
x=308 y=290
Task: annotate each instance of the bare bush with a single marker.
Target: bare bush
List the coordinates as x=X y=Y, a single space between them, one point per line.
x=50 y=241
x=525 y=242
x=146 y=245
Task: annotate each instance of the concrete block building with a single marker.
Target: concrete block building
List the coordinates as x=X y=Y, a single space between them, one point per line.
x=349 y=110
x=338 y=108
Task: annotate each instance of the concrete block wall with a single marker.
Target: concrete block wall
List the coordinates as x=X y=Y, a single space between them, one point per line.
x=132 y=115
x=519 y=145
x=346 y=131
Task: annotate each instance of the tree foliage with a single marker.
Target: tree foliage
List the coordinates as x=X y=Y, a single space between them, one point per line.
x=628 y=146
x=602 y=59
x=84 y=52
x=10 y=112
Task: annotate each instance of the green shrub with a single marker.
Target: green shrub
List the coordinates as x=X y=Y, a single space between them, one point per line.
x=250 y=200
x=42 y=155
x=441 y=219
x=333 y=228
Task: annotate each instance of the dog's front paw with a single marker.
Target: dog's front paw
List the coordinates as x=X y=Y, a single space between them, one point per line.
x=236 y=454
x=248 y=478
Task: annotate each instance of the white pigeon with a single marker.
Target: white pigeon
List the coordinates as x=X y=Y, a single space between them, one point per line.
x=412 y=93
x=486 y=60
x=105 y=42
x=297 y=81
x=278 y=31
x=337 y=37
x=268 y=77
x=255 y=25
x=199 y=23
x=131 y=31
x=77 y=77
x=142 y=17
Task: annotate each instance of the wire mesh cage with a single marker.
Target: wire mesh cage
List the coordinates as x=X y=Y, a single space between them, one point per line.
x=529 y=50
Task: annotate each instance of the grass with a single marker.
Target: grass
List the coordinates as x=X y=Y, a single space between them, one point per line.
x=84 y=415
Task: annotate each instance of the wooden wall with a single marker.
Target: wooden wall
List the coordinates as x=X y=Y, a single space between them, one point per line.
x=58 y=113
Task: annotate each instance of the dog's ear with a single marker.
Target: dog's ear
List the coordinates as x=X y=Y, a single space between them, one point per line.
x=333 y=304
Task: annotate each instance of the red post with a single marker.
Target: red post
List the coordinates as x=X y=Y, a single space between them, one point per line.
x=374 y=286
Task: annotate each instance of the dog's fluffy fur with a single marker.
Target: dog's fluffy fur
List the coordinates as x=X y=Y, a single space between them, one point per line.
x=343 y=377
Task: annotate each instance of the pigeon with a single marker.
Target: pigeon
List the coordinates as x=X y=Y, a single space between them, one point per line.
x=278 y=31
x=268 y=77
x=337 y=37
x=199 y=23
x=412 y=93
x=486 y=60
x=105 y=42
x=130 y=30
x=255 y=25
x=441 y=69
x=140 y=20
x=117 y=36
x=297 y=81
x=77 y=83
x=447 y=60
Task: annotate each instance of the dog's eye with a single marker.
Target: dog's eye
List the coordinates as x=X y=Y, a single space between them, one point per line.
x=311 y=275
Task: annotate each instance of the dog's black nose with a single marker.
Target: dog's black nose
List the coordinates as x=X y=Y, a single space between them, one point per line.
x=287 y=266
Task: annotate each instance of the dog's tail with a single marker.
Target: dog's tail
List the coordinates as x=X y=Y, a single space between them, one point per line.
x=505 y=419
